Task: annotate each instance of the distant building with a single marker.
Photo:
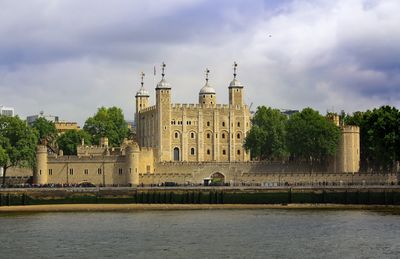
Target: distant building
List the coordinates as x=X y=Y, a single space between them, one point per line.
x=63 y=126
x=31 y=119
x=289 y=113
x=6 y=111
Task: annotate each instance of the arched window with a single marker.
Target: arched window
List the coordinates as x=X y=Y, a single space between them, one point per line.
x=208 y=152
x=176 y=135
x=208 y=135
x=208 y=123
x=238 y=124
x=192 y=134
x=238 y=136
x=224 y=152
x=223 y=124
x=192 y=151
x=223 y=135
x=238 y=151
x=176 y=154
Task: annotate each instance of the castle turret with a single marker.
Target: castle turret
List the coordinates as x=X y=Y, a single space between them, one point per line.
x=132 y=164
x=163 y=106
x=40 y=174
x=207 y=93
x=334 y=118
x=142 y=96
x=235 y=90
x=347 y=158
x=348 y=153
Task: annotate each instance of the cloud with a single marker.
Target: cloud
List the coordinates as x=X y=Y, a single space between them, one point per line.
x=70 y=57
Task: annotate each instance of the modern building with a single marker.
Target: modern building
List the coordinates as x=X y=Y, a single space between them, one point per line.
x=31 y=119
x=6 y=111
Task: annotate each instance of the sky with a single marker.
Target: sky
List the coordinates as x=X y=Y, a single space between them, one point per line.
x=70 y=57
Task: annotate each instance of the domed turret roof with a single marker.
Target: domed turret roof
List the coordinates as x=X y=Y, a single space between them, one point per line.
x=142 y=93
x=207 y=89
x=163 y=84
x=235 y=83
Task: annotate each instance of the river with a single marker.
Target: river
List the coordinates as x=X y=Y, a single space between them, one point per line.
x=202 y=234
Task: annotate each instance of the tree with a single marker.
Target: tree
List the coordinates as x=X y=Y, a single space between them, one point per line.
x=18 y=144
x=69 y=141
x=379 y=136
x=311 y=136
x=47 y=131
x=107 y=122
x=266 y=139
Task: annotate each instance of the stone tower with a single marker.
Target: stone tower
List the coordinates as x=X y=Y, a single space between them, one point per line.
x=163 y=107
x=347 y=158
x=207 y=95
x=142 y=96
x=132 y=164
x=235 y=90
x=348 y=154
x=40 y=174
x=142 y=101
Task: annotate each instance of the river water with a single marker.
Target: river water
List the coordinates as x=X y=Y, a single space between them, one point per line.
x=202 y=234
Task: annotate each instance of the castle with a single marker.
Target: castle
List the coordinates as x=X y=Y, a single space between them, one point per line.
x=206 y=131
x=188 y=144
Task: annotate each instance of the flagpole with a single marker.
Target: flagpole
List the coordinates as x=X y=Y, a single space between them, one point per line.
x=154 y=76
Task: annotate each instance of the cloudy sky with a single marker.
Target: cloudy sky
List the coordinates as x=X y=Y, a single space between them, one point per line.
x=69 y=57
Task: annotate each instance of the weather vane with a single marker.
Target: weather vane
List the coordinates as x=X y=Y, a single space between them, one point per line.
x=142 y=77
x=163 y=69
x=234 y=69
x=207 y=72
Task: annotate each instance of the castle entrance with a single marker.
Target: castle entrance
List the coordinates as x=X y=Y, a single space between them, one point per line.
x=176 y=154
x=216 y=179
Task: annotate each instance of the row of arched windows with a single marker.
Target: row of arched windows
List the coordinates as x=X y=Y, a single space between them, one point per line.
x=176 y=152
x=208 y=135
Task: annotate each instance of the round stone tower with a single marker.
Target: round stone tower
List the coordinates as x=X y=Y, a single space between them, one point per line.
x=40 y=174
x=132 y=164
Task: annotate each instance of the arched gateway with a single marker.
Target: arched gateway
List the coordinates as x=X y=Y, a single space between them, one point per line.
x=216 y=179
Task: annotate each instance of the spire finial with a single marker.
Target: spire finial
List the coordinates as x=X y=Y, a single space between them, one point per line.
x=163 y=70
x=234 y=69
x=207 y=72
x=142 y=77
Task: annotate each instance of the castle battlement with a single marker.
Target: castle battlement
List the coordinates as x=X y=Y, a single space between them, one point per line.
x=185 y=105
x=87 y=159
x=147 y=109
x=351 y=129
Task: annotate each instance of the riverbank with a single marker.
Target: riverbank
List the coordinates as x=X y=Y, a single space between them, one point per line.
x=138 y=207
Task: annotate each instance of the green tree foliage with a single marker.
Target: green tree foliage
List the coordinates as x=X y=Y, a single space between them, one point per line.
x=68 y=141
x=18 y=143
x=311 y=136
x=266 y=139
x=46 y=130
x=107 y=122
x=379 y=137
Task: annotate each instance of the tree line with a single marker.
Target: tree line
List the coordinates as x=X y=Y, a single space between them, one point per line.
x=309 y=136
x=18 y=140
x=379 y=137
x=304 y=136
